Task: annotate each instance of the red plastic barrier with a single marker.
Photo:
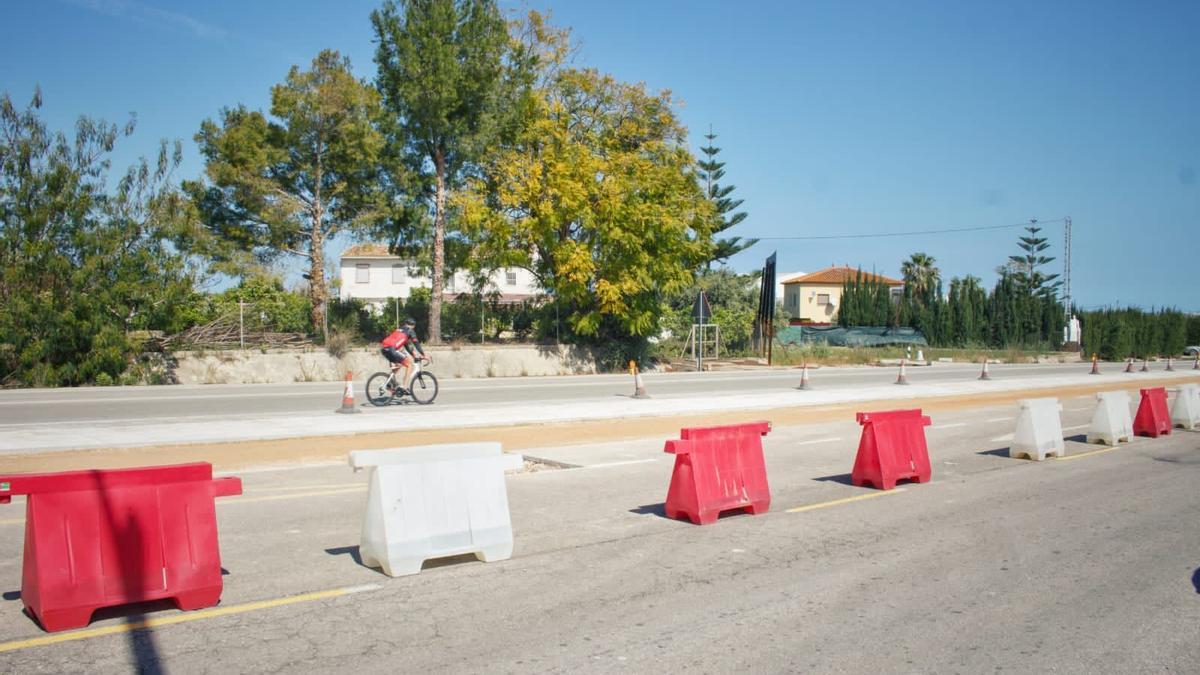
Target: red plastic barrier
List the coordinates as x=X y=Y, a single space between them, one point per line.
x=718 y=469
x=892 y=448
x=108 y=537
x=1152 y=417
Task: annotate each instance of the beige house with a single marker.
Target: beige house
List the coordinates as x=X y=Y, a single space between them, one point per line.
x=815 y=297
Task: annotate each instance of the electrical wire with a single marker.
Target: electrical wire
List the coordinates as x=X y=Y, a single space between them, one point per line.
x=874 y=235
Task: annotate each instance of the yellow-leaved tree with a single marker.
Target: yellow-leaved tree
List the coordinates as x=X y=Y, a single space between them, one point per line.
x=596 y=195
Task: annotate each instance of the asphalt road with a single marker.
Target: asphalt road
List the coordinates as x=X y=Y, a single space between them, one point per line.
x=111 y=404
x=1084 y=565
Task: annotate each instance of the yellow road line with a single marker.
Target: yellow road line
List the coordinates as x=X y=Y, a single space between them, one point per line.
x=158 y=622
x=12 y=521
x=1091 y=453
x=845 y=500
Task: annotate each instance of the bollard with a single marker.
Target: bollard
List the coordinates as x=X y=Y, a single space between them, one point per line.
x=434 y=501
x=1039 y=430
x=718 y=469
x=348 y=396
x=101 y=538
x=1152 y=418
x=804 y=377
x=1111 y=422
x=902 y=379
x=1185 y=411
x=892 y=447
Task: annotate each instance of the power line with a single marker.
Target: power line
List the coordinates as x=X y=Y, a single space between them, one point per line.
x=874 y=235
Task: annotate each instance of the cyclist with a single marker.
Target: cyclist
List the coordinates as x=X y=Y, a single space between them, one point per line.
x=399 y=349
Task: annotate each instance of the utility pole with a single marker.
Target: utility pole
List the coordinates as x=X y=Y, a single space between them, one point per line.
x=1067 y=265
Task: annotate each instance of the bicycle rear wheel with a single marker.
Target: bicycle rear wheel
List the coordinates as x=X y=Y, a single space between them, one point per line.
x=378 y=392
x=424 y=388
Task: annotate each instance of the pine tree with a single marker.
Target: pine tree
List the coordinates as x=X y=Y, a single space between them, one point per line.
x=710 y=174
x=1027 y=272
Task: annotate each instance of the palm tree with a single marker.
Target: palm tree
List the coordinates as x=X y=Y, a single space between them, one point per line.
x=921 y=277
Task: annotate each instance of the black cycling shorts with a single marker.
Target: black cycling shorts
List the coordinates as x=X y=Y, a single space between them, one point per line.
x=395 y=355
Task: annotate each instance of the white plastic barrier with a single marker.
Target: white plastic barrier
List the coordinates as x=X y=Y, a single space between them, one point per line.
x=434 y=501
x=1039 y=430
x=1112 y=422
x=1185 y=411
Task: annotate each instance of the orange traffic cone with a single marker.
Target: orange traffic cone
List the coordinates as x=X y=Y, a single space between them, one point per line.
x=902 y=379
x=1095 y=365
x=639 y=387
x=984 y=375
x=1169 y=366
x=1129 y=365
x=348 y=396
x=803 y=377
x=1146 y=365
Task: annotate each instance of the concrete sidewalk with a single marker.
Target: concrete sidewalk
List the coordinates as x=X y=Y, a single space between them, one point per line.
x=251 y=427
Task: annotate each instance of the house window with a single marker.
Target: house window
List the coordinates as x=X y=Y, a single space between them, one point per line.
x=510 y=278
x=399 y=274
x=362 y=273
x=822 y=298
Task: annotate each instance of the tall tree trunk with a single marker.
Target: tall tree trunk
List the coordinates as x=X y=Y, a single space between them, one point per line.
x=439 y=252
x=318 y=291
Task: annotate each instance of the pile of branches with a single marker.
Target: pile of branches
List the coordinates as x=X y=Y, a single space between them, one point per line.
x=224 y=333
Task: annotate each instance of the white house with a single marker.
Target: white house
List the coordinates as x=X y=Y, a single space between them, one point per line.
x=372 y=274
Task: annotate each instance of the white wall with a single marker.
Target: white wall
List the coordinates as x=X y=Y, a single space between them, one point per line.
x=380 y=284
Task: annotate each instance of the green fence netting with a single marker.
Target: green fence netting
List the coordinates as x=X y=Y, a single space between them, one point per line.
x=852 y=336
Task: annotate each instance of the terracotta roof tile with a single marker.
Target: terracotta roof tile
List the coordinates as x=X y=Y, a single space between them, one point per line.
x=839 y=275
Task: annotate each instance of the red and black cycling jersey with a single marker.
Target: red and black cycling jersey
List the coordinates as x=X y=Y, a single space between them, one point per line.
x=401 y=337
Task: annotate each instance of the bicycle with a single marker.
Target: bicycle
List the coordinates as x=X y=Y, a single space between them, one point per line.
x=383 y=387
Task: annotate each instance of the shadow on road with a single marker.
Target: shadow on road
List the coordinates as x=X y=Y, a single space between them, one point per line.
x=1196 y=579
x=843 y=478
x=351 y=551
x=659 y=509
x=995 y=452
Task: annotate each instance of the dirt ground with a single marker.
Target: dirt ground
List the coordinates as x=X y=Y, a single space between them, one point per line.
x=255 y=454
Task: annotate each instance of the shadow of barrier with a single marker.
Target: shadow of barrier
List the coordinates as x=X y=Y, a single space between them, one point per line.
x=101 y=538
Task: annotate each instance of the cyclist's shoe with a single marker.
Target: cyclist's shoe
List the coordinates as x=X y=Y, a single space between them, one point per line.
x=401 y=391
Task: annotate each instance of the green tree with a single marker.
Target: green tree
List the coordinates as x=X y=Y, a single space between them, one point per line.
x=285 y=186
x=1027 y=266
x=441 y=72
x=598 y=197
x=82 y=265
x=725 y=215
x=921 y=277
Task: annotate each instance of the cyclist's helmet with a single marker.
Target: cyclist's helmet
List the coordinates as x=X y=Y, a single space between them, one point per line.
x=409 y=322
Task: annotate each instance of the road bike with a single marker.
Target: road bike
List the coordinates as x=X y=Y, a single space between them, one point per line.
x=384 y=388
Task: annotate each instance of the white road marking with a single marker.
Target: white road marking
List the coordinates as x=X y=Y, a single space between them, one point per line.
x=1077 y=426
x=819 y=440
x=625 y=463
x=949 y=426
x=1001 y=419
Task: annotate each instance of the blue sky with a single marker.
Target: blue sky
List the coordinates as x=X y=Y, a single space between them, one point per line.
x=833 y=117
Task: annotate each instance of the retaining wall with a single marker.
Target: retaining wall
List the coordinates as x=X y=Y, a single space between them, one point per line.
x=315 y=365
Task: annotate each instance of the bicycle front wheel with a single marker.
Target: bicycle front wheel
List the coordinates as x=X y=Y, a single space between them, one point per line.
x=378 y=392
x=424 y=388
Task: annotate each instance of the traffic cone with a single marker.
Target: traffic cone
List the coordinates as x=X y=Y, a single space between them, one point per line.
x=1095 y=365
x=348 y=396
x=803 y=377
x=902 y=379
x=1196 y=363
x=984 y=375
x=1129 y=365
x=1146 y=365
x=921 y=356
x=1169 y=366
x=639 y=387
